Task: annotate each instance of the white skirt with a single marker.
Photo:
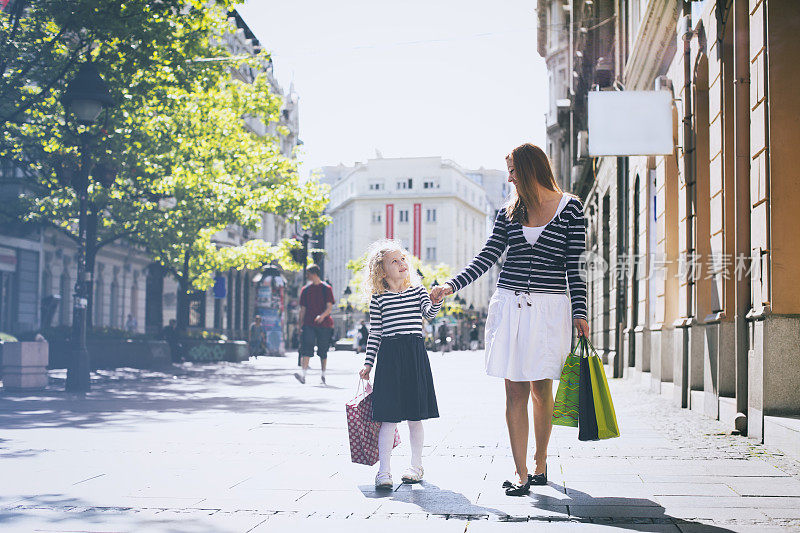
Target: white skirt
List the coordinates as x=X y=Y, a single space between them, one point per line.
x=528 y=335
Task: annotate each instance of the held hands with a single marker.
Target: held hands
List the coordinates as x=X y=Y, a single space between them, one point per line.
x=439 y=292
x=582 y=326
x=364 y=373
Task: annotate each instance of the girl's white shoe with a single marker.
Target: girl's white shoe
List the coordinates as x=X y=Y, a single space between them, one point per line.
x=413 y=474
x=383 y=480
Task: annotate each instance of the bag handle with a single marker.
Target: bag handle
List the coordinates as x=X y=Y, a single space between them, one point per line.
x=583 y=348
x=361 y=386
x=587 y=346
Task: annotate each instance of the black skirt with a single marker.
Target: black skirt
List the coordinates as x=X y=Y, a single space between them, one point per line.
x=403 y=387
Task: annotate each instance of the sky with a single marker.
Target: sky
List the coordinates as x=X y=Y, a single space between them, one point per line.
x=461 y=79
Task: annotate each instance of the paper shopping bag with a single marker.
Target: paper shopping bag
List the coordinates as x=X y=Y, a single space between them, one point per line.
x=587 y=418
x=362 y=430
x=601 y=397
x=565 y=411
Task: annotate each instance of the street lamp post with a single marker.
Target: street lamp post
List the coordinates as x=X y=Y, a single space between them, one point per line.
x=86 y=97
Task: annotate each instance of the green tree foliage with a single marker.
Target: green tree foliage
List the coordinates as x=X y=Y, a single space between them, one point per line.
x=144 y=42
x=438 y=273
x=219 y=174
x=183 y=162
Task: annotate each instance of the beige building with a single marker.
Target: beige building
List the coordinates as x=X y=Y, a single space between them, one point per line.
x=708 y=313
x=438 y=210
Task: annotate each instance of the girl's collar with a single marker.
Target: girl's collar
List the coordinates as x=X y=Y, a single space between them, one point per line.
x=400 y=292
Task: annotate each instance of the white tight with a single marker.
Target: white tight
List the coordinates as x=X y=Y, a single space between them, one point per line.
x=386 y=441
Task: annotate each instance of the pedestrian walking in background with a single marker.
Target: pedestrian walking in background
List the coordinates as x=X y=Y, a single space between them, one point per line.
x=170 y=334
x=403 y=381
x=316 y=303
x=530 y=318
x=130 y=324
x=257 y=337
x=363 y=335
x=473 y=337
x=444 y=338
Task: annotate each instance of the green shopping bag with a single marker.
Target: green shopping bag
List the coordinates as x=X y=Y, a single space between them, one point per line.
x=603 y=406
x=565 y=411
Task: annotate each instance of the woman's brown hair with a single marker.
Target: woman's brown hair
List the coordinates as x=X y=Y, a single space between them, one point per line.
x=530 y=165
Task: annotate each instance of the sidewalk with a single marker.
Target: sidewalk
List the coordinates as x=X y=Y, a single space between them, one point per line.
x=245 y=447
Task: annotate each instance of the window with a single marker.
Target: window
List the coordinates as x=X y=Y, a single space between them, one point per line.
x=405 y=184
x=430 y=249
x=376 y=217
x=403 y=215
x=430 y=215
x=376 y=186
x=430 y=184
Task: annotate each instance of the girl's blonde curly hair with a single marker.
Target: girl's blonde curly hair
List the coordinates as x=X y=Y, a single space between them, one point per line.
x=374 y=274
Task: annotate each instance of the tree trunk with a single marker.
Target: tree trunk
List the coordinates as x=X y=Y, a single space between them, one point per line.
x=184 y=286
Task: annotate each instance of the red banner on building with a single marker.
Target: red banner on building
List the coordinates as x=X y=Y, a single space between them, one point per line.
x=390 y=221
x=417 y=230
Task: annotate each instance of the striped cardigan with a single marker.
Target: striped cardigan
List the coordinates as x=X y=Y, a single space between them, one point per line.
x=546 y=266
x=397 y=313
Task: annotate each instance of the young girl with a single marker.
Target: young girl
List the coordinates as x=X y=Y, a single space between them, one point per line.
x=403 y=387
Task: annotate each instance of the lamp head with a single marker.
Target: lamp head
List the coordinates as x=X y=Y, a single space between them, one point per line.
x=87 y=94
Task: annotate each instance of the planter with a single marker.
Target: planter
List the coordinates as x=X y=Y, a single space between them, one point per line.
x=24 y=365
x=207 y=351
x=115 y=353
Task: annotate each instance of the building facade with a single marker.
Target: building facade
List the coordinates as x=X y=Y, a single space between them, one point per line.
x=697 y=295
x=439 y=211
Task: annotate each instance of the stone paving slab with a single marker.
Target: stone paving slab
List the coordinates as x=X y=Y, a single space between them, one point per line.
x=244 y=447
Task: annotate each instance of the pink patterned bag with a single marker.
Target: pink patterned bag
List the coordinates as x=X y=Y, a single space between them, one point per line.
x=362 y=429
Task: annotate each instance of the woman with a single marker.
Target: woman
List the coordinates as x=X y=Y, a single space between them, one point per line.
x=530 y=318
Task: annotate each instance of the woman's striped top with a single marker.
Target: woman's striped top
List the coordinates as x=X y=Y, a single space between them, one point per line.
x=397 y=313
x=547 y=266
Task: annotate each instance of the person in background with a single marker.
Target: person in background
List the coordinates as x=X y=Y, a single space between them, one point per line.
x=363 y=335
x=316 y=304
x=473 y=337
x=444 y=343
x=170 y=334
x=130 y=324
x=257 y=337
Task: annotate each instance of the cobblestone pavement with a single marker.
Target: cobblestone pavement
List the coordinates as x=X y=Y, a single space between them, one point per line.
x=245 y=447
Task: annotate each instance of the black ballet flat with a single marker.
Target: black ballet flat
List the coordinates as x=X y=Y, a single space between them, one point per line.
x=519 y=489
x=538 y=479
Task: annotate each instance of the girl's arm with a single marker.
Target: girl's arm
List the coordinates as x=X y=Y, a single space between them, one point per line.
x=428 y=308
x=576 y=276
x=375 y=331
x=492 y=250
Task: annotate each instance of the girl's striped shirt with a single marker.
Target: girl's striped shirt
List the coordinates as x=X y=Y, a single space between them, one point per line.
x=546 y=266
x=397 y=313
